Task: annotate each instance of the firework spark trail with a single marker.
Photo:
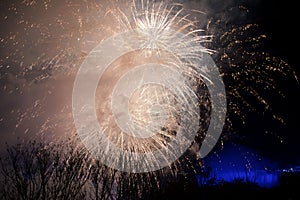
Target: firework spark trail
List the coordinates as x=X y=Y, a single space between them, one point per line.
x=170 y=54
x=66 y=38
x=251 y=72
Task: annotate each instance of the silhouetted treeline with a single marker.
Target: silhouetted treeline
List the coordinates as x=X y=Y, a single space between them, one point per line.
x=66 y=171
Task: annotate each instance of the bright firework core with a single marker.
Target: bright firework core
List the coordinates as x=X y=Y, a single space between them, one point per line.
x=147 y=98
x=135 y=100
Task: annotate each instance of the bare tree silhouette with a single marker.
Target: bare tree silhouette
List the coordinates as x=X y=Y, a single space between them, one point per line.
x=38 y=171
x=35 y=170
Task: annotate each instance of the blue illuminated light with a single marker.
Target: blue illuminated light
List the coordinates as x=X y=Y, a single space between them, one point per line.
x=236 y=162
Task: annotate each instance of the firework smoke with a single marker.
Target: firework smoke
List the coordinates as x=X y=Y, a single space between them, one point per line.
x=44 y=43
x=152 y=95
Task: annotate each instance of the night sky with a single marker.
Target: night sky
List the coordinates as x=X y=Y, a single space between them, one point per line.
x=278 y=20
x=36 y=103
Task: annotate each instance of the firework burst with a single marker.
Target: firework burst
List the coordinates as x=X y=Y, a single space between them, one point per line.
x=150 y=110
x=161 y=84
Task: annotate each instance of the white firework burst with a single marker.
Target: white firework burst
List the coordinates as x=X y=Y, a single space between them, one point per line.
x=157 y=25
x=147 y=104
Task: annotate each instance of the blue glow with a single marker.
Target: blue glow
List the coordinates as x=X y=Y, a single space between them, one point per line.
x=236 y=162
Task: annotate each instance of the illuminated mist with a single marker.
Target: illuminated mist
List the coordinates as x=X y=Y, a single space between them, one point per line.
x=45 y=44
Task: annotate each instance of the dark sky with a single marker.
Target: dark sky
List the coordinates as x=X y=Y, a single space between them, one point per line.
x=279 y=20
x=45 y=98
